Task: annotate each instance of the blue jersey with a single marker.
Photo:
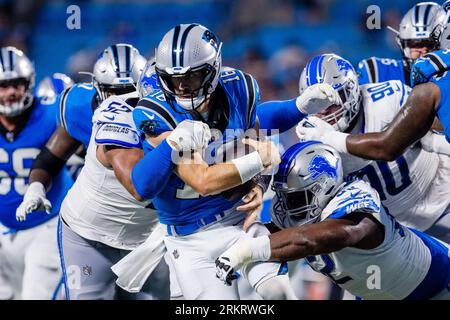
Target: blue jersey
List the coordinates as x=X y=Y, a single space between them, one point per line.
x=374 y=70
x=76 y=108
x=178 y=203
x=443 y=109
x=16 y=158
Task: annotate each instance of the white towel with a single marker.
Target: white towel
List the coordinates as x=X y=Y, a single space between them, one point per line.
x=133 y=270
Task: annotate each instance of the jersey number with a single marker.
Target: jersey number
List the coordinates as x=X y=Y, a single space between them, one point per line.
x=187 y=193
x=18 y=158
x=390 y=185
x=328 y=268
x=381 y=91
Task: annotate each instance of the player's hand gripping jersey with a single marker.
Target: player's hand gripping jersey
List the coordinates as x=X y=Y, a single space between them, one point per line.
x=98 y=207
x=16 y=158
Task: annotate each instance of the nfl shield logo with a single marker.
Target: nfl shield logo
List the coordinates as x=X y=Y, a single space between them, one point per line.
x=87 y=270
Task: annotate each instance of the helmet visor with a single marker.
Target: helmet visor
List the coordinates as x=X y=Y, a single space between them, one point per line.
x=430 y=44
x=188 y=84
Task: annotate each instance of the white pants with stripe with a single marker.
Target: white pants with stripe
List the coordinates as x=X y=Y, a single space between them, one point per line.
x=30 y=261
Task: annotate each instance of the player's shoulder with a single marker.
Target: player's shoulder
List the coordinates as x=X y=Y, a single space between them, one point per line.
x=242 y=89
x=79 y=93
x=153 y=115
x=238 y=80
x=354 y=196
x=374 y=69
x=114 y=123
x=75 y=103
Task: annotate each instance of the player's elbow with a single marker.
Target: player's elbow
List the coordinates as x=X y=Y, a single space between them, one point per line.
x=389 y=153
x=384 y=150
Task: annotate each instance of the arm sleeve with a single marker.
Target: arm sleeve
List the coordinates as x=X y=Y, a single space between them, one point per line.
x=281 y=115
x=151 y=174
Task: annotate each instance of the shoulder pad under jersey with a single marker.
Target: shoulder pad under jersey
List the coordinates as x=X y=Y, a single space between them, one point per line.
x=114 y=124
x=355 y=196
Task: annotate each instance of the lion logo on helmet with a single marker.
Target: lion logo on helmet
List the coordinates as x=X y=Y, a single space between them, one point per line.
x=319 y=165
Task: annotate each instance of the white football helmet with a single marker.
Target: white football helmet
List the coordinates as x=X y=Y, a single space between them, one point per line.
x=445 y=36
x=340 y=74
x=49 y=87
x=309 y=176
x=188 y=62
x=421 y=26
x=117 y=70
x=16 y=67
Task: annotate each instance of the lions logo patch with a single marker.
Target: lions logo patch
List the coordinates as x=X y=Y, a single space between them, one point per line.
x=319 y=165
x=343 y=66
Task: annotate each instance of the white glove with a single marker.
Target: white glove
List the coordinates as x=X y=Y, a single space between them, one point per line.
x=317 y=98
x=244 y=251
x=189 y=135
x=33 y=200
x=313 y=128
x=435 y=142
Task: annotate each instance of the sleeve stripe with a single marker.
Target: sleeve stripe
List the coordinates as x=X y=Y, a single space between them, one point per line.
x=160 y=110
x=372 y=69
x=402 y=100
x=437 y=62
x=250 y=86
x=62 y=107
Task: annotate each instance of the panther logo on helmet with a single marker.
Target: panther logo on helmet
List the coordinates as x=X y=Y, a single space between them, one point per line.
x=211 y=38
x=319 y=165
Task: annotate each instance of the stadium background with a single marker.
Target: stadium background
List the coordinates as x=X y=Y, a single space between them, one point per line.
x=271 y=39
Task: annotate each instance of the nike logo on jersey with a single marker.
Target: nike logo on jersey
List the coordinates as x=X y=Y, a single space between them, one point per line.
x=151 y=117
x=110 y=118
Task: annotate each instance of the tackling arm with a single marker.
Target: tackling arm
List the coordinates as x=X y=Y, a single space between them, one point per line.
x=356 y=230
x=410 y=124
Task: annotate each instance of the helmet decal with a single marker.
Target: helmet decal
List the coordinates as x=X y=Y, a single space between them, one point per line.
x=320 y=165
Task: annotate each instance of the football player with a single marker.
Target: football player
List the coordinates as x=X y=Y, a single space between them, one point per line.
x=198 y=219
x=414 y=186
x=343 y=232
x=29 y=247
x=418 y=34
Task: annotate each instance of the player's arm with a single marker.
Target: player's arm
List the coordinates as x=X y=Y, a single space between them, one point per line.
x=47 y=165
x=49 y=162
x=410 y=124
x=122 y=161
x=360 y=230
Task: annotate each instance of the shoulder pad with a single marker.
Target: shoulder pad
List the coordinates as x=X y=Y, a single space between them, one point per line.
x=356 y=196
x=242 y=85
x=117 y=134
x=113 y=110
x=114 y=124
x=368 y=71
x=153 y=117
x=80 y=95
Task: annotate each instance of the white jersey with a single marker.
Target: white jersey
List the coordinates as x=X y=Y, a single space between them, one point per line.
x=98 y=207
x=408 y=264
x=408 y=186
